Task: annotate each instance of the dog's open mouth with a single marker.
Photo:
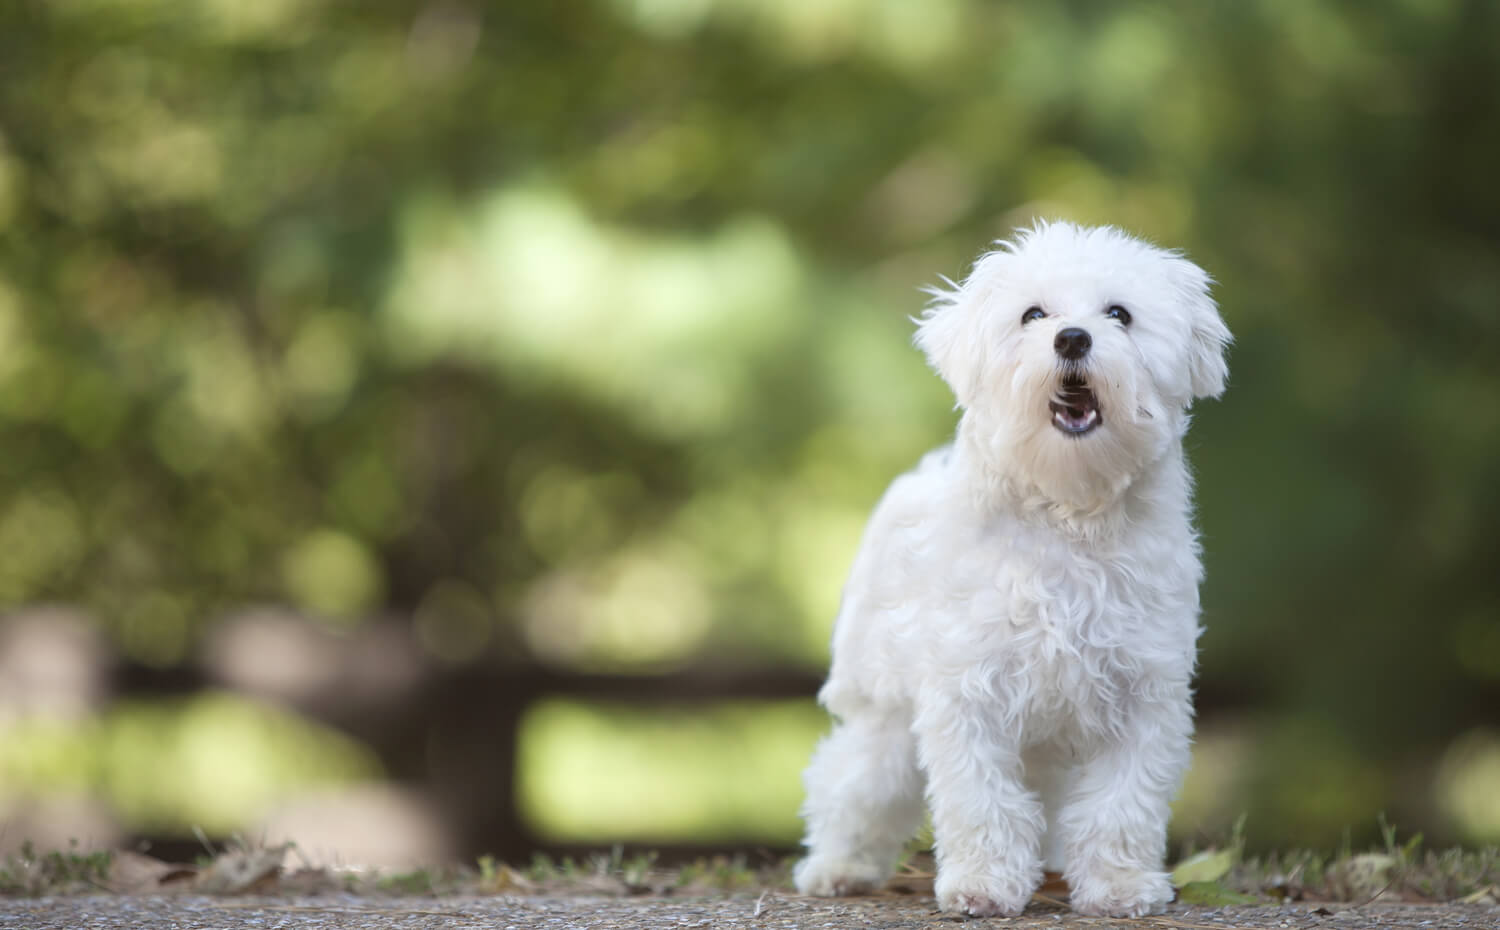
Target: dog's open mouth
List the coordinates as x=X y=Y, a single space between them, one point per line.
x=1075 y=409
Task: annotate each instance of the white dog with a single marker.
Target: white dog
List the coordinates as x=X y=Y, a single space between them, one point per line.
x=1018 y=631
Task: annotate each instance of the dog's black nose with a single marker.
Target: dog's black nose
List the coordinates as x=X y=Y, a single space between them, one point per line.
x=1072 y=343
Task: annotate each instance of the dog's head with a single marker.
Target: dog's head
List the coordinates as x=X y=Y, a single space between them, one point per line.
x=1077 y=351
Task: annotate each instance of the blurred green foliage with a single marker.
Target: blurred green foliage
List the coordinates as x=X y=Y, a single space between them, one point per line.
x=162 y=765
x=578 y=329
x=732 y=771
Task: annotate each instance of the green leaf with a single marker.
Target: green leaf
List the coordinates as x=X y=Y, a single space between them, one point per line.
x=1212 y=894
x=1210 y=865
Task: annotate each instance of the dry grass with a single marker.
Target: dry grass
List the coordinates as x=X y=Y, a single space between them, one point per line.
x=1397 y=872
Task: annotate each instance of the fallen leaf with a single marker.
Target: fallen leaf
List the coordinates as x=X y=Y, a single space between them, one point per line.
x=1054 y=884
x=1212 y=894
x=308 y=881
x=1489 y=894
x=1210 y=865
x=131 y=872
x=239 y=870
x=505 y=878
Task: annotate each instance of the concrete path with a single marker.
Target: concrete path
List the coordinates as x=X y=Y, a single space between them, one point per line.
x=769 y=911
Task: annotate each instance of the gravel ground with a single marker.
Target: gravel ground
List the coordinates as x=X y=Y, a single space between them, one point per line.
x=766 y=912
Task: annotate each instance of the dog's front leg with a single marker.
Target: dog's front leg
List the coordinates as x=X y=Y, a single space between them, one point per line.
x=864 y=801
x=1114 y=820
x=986 y=824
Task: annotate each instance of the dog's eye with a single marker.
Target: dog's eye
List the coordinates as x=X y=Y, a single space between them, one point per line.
x=1033 y=313
x=1117 y=312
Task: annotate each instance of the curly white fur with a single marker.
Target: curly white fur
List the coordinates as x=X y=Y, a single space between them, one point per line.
x=1017 y=636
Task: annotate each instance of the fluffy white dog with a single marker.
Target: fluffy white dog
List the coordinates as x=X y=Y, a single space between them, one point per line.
x=1018 y=631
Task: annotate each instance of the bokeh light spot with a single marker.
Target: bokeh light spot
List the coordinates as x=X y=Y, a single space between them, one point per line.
x=593 y=773
x=1468 y=785
x=454 y=621
x=332 y=574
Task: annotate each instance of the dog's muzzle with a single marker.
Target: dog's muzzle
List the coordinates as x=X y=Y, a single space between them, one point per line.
x=1075 y=409
x=1073 y=343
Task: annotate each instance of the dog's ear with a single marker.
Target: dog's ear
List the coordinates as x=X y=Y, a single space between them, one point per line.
x=945 y=334
x=1208 y=367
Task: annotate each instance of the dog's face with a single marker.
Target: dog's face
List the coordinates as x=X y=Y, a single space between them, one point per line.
x=1078 y=351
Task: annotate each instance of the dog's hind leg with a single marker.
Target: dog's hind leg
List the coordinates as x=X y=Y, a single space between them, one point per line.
x=864 y=801
x=1047 y=776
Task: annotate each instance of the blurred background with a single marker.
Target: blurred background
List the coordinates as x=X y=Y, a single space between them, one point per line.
x=438 y=428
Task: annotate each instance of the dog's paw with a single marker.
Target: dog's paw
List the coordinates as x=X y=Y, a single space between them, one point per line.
x=826 y=877
x=1121 y=893
x=980 y=905
x=981 y=896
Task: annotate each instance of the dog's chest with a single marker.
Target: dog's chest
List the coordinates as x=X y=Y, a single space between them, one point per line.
x=1059 y=634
